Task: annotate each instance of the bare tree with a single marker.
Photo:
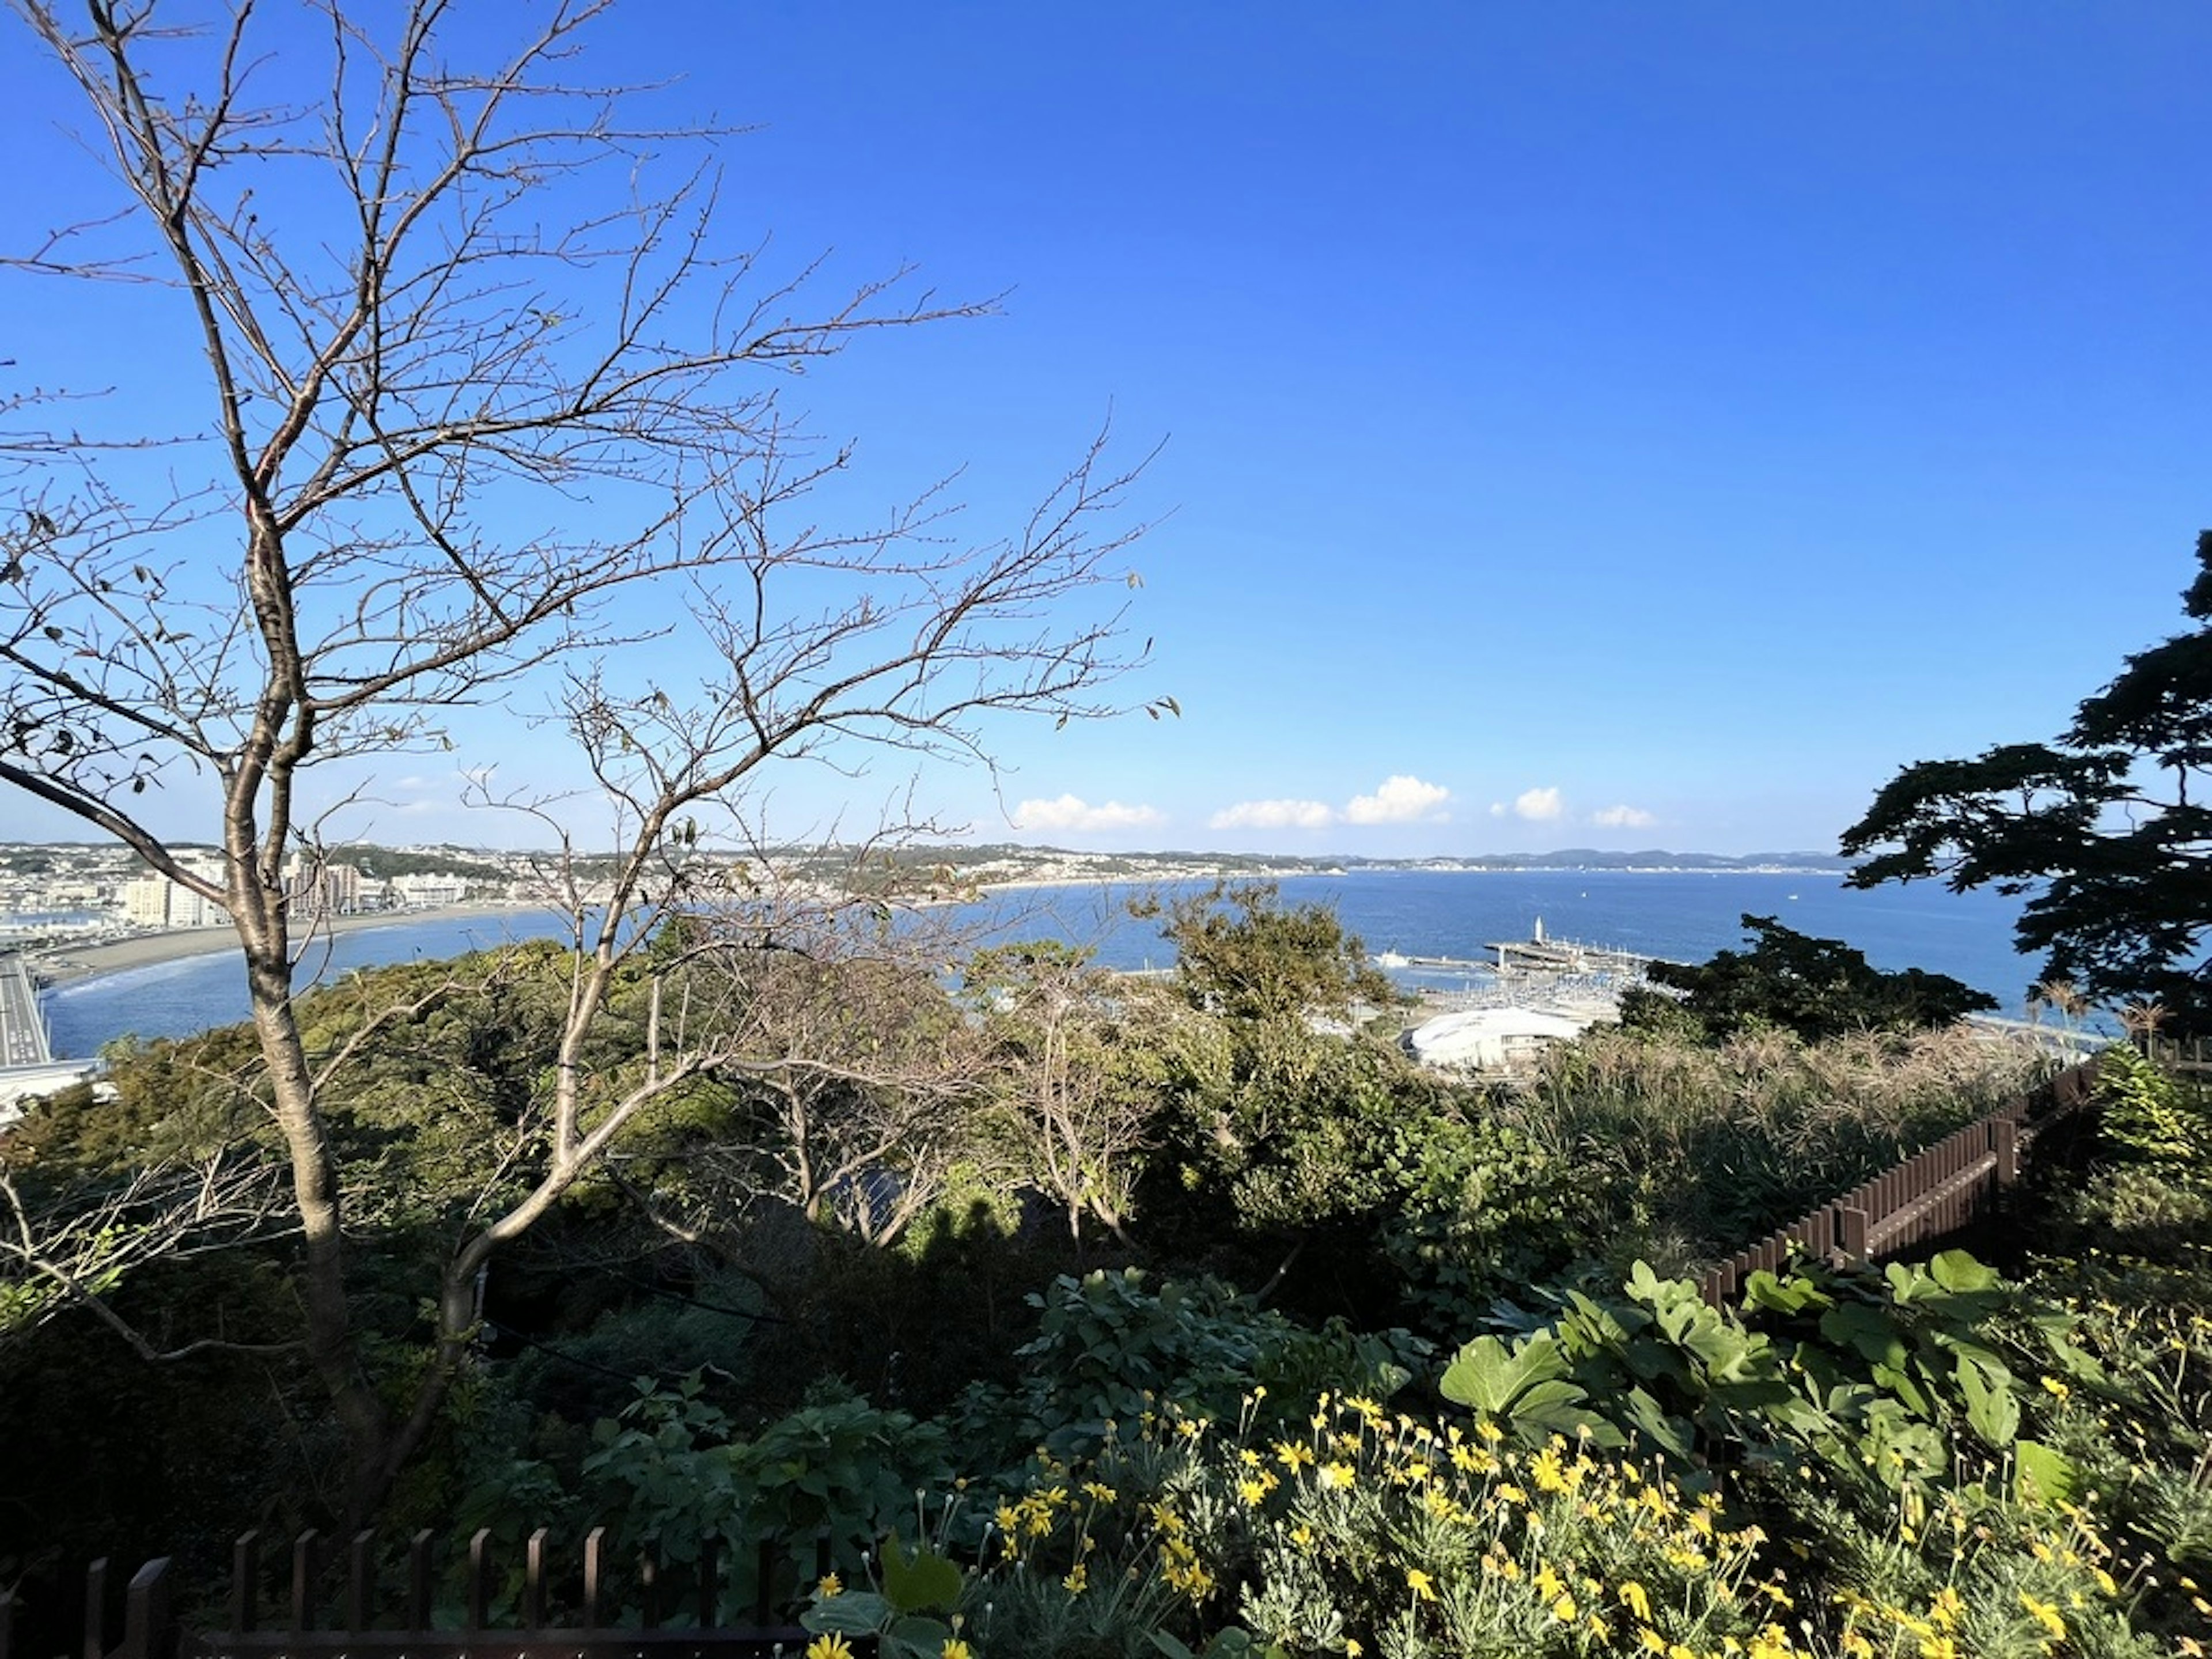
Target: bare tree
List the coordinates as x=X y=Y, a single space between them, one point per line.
x=1073 y=1039
x=852 y=1087
x=451 y=422
x=73 y=1257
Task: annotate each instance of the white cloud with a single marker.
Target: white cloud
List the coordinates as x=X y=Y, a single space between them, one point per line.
x=1072 y=813
x=1401 y=800
x=1274 y=815
x=1538 y=805
x=1622 y=817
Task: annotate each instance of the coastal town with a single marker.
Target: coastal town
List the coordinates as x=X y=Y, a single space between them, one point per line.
x=74 y=892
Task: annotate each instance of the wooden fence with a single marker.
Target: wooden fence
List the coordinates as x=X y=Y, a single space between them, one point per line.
x=2186 y=1055
x=1929 y=1196
x=331 y=1605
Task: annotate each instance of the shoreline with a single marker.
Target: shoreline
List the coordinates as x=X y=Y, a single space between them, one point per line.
x=74 y=966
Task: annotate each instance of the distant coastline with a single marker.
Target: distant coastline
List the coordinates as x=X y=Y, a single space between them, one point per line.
x=69 y=966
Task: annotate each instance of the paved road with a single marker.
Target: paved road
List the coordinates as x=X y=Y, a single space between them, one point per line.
x=22 y=1028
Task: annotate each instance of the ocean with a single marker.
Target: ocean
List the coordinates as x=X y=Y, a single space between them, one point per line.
x=1684 y=916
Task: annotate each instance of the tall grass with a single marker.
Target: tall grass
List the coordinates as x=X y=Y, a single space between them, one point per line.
x=1696 y=1150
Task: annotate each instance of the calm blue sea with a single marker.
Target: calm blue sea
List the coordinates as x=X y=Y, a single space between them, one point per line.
x=1687 y=916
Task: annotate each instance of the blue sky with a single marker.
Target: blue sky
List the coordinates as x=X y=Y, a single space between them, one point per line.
x=1624 y=426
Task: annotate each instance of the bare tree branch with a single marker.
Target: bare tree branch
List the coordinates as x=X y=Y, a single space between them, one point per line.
x=449 y=425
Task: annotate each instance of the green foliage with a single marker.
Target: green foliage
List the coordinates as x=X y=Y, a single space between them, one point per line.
x=2153 y=1115
x=1280 y=1127
x=1486 y=1209
x=2102 y=825
x=1239 y=952
x=1814 y=988
x=1112 y=1350
x=1902 y=1378
x=670 y=1473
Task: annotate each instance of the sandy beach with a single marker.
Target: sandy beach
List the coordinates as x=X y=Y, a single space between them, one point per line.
x=145 y=949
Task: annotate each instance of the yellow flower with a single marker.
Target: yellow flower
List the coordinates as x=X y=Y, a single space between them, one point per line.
x=1653 y=1642
x=1632 y=1597
x=830 y=1585
x=1078 y=1576
x=1421 y=1585
x=1337 y=1475
x=2045 y=1614
x=955 y=1649
x=1548 y=1474
x=830 y=1647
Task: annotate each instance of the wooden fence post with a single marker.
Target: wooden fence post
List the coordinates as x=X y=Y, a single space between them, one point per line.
x=303 y=1583
x=245 y=1583
x=146 y=1631
x=96 y=1610
x=595 y=1547
x=480 y=1579
x=361 y=1581
x=533 y=1581
x=418 y=1580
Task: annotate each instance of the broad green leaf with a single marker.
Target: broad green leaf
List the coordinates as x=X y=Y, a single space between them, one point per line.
x=1788 y=1295
x=913 y=1637
x=1489 y=1377
x=1956 y=1270
x=2041 y=1475
x=1871 y=1331
x=921 y=1581
x=855 y=1612
x=1992 y=1411
x=1671 y=1434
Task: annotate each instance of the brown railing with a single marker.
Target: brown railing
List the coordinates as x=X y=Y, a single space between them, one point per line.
x=2184 y=1054
x=331 y=1606
x=1927 y=1198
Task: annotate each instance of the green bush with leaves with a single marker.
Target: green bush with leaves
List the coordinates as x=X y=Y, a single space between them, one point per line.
x=1901 y=1375
x=2152 y=1115
x=1112 y=1350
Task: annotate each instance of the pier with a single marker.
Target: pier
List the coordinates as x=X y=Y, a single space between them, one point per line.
x=27 y=1066
x=1538 y=955
x=23 y=1040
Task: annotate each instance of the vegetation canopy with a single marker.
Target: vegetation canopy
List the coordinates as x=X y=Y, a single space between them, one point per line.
x=2105 y=825
x=1814 y=988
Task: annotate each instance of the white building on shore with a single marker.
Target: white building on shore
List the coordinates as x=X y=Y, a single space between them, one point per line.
x=423 y=892
x=154 y=900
